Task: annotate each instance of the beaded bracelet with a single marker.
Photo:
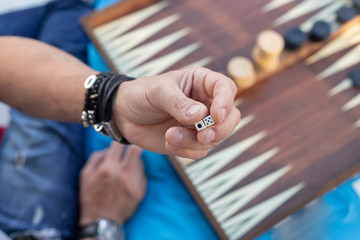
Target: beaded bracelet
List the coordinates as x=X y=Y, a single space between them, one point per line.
x=97 y=110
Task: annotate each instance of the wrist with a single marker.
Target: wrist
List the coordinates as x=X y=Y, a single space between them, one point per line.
x=86 y=220
x=91 y=217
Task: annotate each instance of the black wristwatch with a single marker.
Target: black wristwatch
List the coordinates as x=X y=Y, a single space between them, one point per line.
x=102 y=229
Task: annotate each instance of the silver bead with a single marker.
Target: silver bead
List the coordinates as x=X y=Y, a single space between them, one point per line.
x=83 y=116
x=86 y=124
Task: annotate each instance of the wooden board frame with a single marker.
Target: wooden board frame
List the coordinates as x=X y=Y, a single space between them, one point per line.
x=257 y=98
x=97 y=18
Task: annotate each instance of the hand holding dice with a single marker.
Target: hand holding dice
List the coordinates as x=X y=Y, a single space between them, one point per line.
x=158 y=113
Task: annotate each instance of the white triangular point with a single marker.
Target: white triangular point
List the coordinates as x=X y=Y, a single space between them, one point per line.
x=117 y=27
x=133 y=38
x=243 y=122
x=348 y=60
x=221 y=183
x=240 y=224
x=340 y=87
x=201 y=63
x=301 y=9
x=160 y=64
x=354 y=102
x=357 y=124
x=328 y=14
x=201 y=170
x=275 y=4
x=230 y=204
x=237 y=102
x=356 y=186
x=184 y=161
x=312 y=204
x=343 y=41
x=140 y=54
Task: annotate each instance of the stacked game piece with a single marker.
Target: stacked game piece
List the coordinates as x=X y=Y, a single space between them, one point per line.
x=320 y=31
x=354 y=75
x=241 y=70
x=266 y=53
x=356 y=5
x=294 y=38
x=345 y=14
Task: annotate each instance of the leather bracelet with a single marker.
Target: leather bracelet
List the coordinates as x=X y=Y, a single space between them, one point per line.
x=99 y=96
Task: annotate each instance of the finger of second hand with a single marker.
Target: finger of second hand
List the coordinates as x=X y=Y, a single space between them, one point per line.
x=132 y=155
x=115 y=151
x=94 y=161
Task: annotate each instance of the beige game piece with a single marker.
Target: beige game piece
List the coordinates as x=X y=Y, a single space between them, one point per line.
x=270 y=43
x=265 y=64
x=266 y=53
x=241 y=70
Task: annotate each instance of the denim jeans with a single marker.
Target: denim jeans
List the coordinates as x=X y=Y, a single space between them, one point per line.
x=40 y=160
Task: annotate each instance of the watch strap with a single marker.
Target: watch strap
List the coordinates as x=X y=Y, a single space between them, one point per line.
x=88 y=230
x=113 y=132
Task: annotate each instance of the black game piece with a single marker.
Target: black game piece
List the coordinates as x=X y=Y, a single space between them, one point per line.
x=320 y=31
x=354 y=75
x=294 y=38
x=356 y=4
x=345 y=14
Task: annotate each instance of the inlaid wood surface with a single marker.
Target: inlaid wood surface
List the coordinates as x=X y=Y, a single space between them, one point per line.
x=299 y=133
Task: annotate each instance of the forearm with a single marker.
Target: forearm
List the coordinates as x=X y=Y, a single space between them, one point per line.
x=41 y=80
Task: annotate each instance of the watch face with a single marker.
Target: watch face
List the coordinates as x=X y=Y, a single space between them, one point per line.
x=109 y=230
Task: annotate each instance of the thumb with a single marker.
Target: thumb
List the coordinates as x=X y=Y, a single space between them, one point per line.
x=185 y=110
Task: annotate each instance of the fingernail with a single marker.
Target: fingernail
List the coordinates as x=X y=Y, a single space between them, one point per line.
x=193 y=110
x=177 y=137
x=210 y=136
x=223 y=114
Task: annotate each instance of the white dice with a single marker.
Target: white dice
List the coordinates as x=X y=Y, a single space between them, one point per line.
x=204 y=123
x=200 y=125
x=208 y=121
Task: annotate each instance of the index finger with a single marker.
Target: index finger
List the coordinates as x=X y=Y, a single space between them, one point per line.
x=114 y=152
x=93 y=161
x=221 y=89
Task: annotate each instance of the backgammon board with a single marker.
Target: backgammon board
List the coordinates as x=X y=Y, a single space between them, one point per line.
x=299 y=133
